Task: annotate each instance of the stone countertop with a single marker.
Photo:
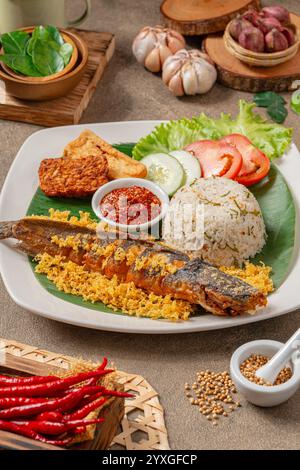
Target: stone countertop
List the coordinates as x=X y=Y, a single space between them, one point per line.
x=128 y=92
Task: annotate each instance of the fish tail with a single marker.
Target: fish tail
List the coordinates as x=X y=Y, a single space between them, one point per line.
x=6 y=230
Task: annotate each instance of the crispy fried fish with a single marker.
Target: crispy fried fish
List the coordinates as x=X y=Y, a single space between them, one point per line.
x=149 y=265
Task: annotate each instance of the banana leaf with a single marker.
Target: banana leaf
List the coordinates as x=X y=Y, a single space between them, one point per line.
x=279 y=213
x=272 y=194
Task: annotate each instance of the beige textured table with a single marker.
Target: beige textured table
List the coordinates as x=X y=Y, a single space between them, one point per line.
x=128 y=92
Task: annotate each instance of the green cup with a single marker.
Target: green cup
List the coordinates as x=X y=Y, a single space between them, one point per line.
x=16 y=14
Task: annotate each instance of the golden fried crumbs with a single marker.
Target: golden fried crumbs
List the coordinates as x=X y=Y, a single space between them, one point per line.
x=93 y=286
x=257 y=275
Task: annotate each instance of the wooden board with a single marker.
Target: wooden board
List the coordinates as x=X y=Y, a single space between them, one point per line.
x=139 y=425
x=196 y=17
x=240 y=76
x=68 y=109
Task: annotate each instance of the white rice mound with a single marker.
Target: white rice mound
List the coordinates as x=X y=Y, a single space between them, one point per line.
x=216 y=219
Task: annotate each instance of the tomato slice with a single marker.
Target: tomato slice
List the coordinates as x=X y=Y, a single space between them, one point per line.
x=256 y=164
x=216 y=158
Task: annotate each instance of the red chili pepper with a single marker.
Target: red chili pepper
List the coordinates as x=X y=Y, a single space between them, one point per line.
x=85 y=410
x=116 y=393
x=36 y=379
x=81 y=393
x=90 y=389
x=91 y=403
x=25 y=431
x=55 y=404
x=103 y=364
x=91 y=382
x=90 y=398
x=49 y=388
x=94 y=380
x=54 y=416
x=105 y=391
x=51 y=428
x=10 y=402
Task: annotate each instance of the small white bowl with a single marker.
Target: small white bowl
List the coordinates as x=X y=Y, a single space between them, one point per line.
x=127 y=183
x=258 y=394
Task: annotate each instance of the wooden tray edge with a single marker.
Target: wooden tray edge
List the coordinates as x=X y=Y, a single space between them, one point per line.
x=197 y=27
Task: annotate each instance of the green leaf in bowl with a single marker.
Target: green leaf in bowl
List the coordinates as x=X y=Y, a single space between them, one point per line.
x=55 y=34
x=45 y=58
x=15 y=42
x=15 y=46
x=21 y=64
x=30 y=46
x=66 y=51
x=48 y=33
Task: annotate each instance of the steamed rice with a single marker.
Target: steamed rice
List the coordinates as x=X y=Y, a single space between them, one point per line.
x=216 y=219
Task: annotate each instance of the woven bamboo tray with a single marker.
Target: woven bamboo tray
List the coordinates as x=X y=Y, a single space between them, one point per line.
x=259 y=59
x=139 y=425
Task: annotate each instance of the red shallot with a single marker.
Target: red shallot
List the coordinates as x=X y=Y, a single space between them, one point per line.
x=277 y=11
x=252 y=39
x=276 y=41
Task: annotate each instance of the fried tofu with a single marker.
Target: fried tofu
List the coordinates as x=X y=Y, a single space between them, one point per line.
x=119 y=164
x=81 y=177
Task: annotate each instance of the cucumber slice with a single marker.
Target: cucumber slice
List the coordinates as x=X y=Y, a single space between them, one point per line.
x=190 y=164
x=164 y=170
x=295 y=102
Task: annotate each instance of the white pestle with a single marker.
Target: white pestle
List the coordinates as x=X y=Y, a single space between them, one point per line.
x=270 y=371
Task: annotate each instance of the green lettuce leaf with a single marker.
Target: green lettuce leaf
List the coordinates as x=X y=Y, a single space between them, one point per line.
x=273 y=139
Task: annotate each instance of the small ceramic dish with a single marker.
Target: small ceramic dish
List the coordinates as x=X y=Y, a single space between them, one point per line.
x=265 y=396
x=73 y=60
x=127 y=183
x=259 y=59
x=48 y=90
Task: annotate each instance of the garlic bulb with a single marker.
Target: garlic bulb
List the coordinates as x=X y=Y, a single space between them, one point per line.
x=152 y=46
x=189 y=72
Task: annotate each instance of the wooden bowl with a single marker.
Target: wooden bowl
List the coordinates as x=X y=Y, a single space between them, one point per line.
x=260 y=59
x=49 y=90
x=67 y=38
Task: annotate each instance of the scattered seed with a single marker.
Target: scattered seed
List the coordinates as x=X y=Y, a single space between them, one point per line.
x=211 y=393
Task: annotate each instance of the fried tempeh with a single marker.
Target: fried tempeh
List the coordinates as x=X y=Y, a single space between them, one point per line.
x=61 y=177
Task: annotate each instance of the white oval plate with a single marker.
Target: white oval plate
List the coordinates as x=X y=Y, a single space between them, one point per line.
x=21 y=284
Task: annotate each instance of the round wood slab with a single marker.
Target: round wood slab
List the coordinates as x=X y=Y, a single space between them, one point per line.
x=235 y=74
x=196 y=17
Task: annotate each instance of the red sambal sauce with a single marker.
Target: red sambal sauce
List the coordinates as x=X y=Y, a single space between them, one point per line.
x=135 y=205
